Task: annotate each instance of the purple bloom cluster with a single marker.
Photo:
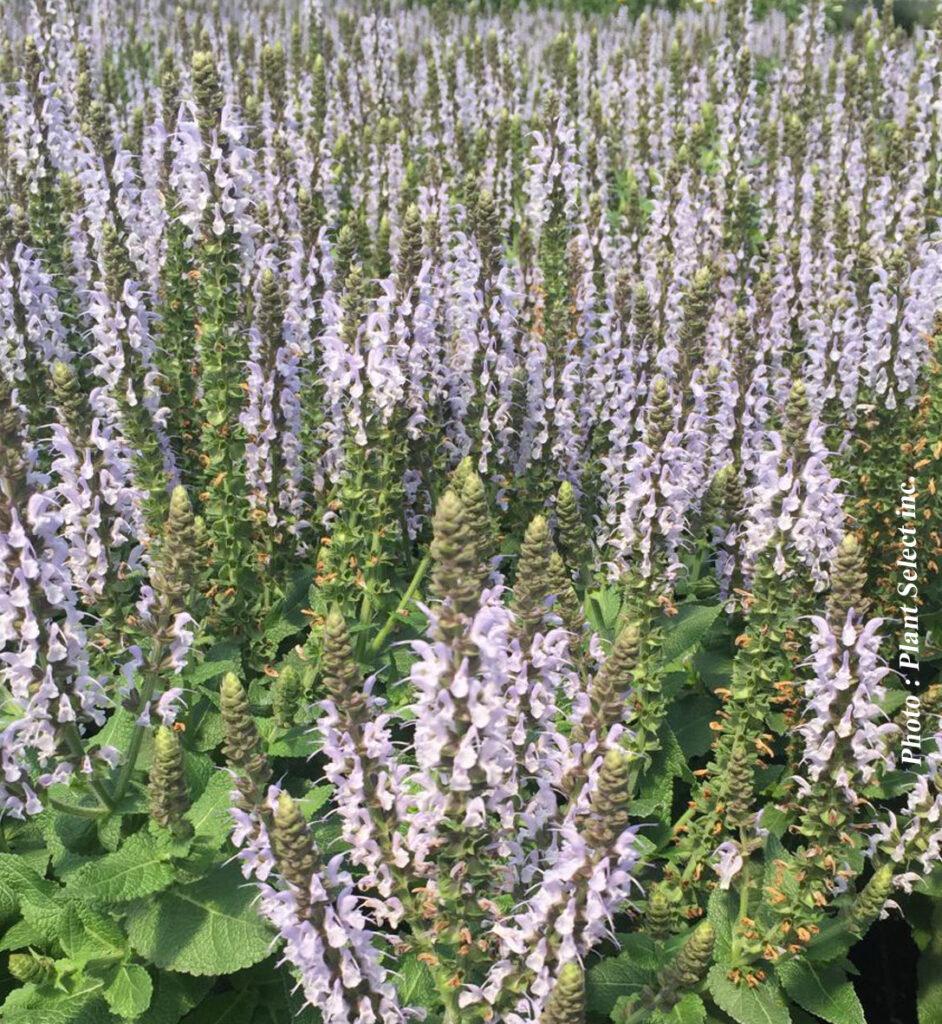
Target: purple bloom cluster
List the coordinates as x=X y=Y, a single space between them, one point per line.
x=846 y=733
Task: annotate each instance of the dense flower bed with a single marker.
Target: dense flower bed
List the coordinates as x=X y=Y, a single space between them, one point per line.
x=450 y=473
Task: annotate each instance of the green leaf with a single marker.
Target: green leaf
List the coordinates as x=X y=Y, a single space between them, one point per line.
x=80 y=1005
x=415 y=983
x=210 y=814
x=689 y=719
x=174 y=995
x=831 y=942
x=715 y=667
x=46 y=918
x=288 y=617
x=222 y=1009
x=139 y=868
x=129 y=991
x=9 y=904
x=929 y=993
x=314 y=800
x=760 y=1005
x=204 y=726
x=109 y=832
x=690 y=1010
x=721 y=913
x=89 y=935
x=19 y=936
x=612 y=979
x=640 y=948
x=822 y=990
x=775 y=820
x=657 y=784
x=198 y=769
x=222 y=658
x=208 y=927
x=27 y=885
x=294 y=742
x=602 y=608
x=686 y=630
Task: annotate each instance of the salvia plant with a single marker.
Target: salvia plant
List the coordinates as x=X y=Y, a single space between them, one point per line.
x=469 y=511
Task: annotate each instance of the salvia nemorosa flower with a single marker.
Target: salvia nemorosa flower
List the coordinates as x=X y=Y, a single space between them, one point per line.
x=332 y=293
x=847 y=737
x=45 y=662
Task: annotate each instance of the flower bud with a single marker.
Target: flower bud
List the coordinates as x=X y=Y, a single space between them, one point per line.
x=687 y=969
x=12 y=464
x=409 y=257
x=532 y=587
x=474 y=500
x=566 y=1004
x=658 y=915
x=295 y=852
x=741 y=787
x=454 y=551
x=342 y=677
x=271 y=309
x=174 y=573
x=608 y=815
x=242 y=745
x=659 y=414
x=848 y=579
x=573 y=535
x=28 y=967
x=207 y=90
x=870 y=901
x=797 y=418
x=566 y=605
x=287 y=692
x=169 y=798
x=612 y=683
x=70 y=400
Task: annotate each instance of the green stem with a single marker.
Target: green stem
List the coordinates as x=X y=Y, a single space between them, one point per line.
x=74 y=809
x=134 y=747
x=743 y=895
x=75 y=744
x=420 y=572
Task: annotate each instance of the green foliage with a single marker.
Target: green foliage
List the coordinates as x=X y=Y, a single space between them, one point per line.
x=209 y=927
x=762 y=1004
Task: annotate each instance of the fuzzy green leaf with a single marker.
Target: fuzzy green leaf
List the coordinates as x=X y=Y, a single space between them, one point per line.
x=210 y=814
x=20 y=935
x=721 y=913
x=26 y=884
x=613 y=979
x=221 y=1009
x=414 y=983
x=89 y=935
x=288 y=617
x=139 y=868
x=686 y=630
x=129 y=991
x=45 y=918
x=174 y=996
x=689 y=719
x=822 y=990
x=81 y=1004
x=208 y=927
x=602 y=608
x=222 y=658
x=760 y=1005
x=929 y=993
x=690 y=1010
